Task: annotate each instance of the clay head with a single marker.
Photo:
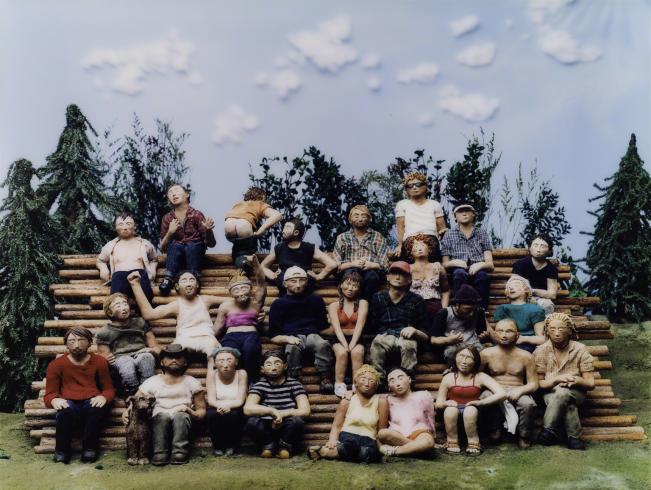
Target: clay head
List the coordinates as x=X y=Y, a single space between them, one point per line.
x=517 y=287
x=125 y=226
x=174 y=359
x=466 y=360
x=176 y=194
x=541 y=246
x=116 y=307
x=399 y=382
x=464 y=214
x=506 y=332
x=366 y=380
x=226 y=359
x=399 y=274
x=78 y=340
x=187 y=284
x=415 y=184
x=420 y=245
x=295 y=280
x=359 y=216
x=240 y=288
x=560 y=328
x=274 y=364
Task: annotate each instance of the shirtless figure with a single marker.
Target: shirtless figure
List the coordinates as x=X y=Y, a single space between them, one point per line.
x=127 y=253
x=194 y=329
x=239 y=317
x=515 y=370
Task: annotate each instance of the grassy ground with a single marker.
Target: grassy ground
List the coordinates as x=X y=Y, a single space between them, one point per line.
x=615 y=465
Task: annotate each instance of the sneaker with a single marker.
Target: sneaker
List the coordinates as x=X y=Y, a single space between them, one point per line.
x=283 y=454
x=229 y=451
x=61 y=457
x=388 y=450
x=160 y=460
x=340 y=389
x=166 y=286
x=576 y=444
x=547 y=437
x=326 y=386
x=267 y=453
x=217 y=452
x=179 y=458
x=88 y=456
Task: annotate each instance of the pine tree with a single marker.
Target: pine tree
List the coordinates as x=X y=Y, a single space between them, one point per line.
x=543 y=215
x=74 y=180
x=619 y=253
x=147 y=166
x=27 y=266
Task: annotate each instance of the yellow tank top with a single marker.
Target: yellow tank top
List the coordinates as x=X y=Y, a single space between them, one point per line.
x=362 y=419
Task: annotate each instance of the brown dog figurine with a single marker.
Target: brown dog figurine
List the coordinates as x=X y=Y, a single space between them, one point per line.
x=138 y=419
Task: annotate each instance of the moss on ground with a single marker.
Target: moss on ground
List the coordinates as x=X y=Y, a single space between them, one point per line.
x=615 y=465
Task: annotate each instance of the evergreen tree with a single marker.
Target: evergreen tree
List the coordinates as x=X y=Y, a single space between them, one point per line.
x=74 y=180
x=543 y=215
x=148 y=164
x=619 y=253
x=469 y=181
x=28 y=265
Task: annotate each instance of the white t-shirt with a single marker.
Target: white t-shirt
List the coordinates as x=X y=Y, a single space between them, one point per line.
x=170 y=398
x=419 y=218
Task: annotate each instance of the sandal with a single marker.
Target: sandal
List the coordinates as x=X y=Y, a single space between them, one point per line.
x=452 y=447
x=473 y=449
x=314 y=453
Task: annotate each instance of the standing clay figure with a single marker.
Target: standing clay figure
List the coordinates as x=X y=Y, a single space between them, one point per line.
x=429 y=278
x=528 y=317
x=417 y=214
x=347 y=319
x=194 y=327
x=184 y=234
x=460 y=397
x=467 y=253
x=568 y=372
x=353 y=436
x=293 y=251
x=241 y=224
x=127 y=253
x=411 y=418
x=276 y=406
x=239 y=317
x=127 y=343
x=540 y=272
x=78 y=386
x=364 y=250
x=515 y=370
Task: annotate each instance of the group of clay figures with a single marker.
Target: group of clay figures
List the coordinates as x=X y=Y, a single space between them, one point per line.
x=429 y=293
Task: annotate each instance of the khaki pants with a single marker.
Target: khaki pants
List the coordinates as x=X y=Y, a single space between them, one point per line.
x=562 y=410
x=384 y=344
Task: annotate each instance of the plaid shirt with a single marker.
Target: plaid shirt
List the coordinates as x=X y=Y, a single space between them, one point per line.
x=191 y=229
x=578 y=360
x=385 y=316
x=372 y=247
x=456 y=246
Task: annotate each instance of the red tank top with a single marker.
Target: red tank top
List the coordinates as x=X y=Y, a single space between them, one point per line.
x=347 y=322
x=464 y=394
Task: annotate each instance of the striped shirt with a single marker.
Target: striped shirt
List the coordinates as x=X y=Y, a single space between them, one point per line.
x=280 y=397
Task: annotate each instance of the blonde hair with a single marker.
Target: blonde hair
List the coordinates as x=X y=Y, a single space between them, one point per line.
x=367 y=369
x=238 y=278
x=362 y=208
x=107 y=302
x=566 y=319
x=420 y=176
x=525 y=282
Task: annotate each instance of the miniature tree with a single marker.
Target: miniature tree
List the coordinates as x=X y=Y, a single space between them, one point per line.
x=619 y=253
x=74 y=180
x=29 y=264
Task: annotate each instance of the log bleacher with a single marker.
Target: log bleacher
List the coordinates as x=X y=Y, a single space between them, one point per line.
x=81 y=294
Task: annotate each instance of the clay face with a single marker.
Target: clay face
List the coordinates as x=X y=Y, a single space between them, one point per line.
x=366 y=384
x=398 y=279
x=419 y=249
x=241 y=293
x=350 y=289
x=296 y=285
x=515 y=289
x=558 y=332
x=539 y=248
x=464 y=310
x=120 y=309
x=177 y=195
x=225 y=362
x=77 y=346
x=464 y=217
x=273 y=368
x=359 y=219
x=465 y=361
x=125 y=228
x=174 y=365
x=416 y=188
x=399 y=382
x=506 y=332
x=187 y=285
x=288 y=231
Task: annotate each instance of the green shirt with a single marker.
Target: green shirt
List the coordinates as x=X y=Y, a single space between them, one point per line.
x=124 y=339
x=525 y=316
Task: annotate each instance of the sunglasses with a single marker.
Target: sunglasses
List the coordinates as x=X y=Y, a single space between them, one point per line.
x=415 y=185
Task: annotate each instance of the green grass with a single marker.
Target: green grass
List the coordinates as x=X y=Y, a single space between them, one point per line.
x=614 y=465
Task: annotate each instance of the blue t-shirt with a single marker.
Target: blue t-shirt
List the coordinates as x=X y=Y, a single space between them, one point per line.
x=525 y=316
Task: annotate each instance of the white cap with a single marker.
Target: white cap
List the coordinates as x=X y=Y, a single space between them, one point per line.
x=294 y=271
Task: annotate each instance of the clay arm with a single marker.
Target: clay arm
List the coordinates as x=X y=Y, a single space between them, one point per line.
x=302 y=408
x=537 y=339
x=442 y=394
x=220 y=320
x=260 y=283
x=550 y=292
x=152 y=342
x=486 y=265
x=199 y=403
x=362 y=314
x=104 y=351
x=273 y=216
x=266 y=263
x=383 y=409
x=334 y=323
x=329 y=264
x=584 y=382
x=338 y=422
x=149 y=313
x=400 y=231
x=441 y=227
x=498 y=393
x=532 y=381
x=211 y=394
x=448 y=262
x=104 y=272
x=253 y=408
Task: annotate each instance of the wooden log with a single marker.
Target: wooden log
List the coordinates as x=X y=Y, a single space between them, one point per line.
x=71 y=307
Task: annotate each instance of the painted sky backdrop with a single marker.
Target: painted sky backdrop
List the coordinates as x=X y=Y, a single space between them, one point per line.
x=562 y=83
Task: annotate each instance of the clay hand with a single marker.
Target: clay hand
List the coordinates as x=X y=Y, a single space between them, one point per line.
x=313 y=275
x=474 y=268
x=125 y=416
x=513 y=396
x=485 y=336
x=368 y=265
x=208 y=224
x=407 y=332
x=175 y=224
x=350 y=347
x=456 y=338
x=105 y=276
x=359 y=263
x=397 y=251
x=110 y=358
x=291 y=340
x=276 y=274
x=134 y=278
x=59 y=403
x=450 y=403
x=331 y=444
x=473 y=403
x=261 y=317
x=97 y=401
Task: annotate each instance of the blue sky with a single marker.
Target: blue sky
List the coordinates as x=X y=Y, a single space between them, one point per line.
x=560 y=82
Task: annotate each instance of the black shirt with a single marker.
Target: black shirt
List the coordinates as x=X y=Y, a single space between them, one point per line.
x=288 y=257
x=297 y=315
x=538 y=278
x=388 y=317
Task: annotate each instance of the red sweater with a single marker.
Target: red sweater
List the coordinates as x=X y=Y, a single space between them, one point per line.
x=72 y=382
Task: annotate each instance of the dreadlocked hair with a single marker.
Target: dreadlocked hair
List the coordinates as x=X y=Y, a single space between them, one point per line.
x=562 y=317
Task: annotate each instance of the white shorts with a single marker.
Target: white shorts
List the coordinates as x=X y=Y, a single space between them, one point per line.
x=201 y=343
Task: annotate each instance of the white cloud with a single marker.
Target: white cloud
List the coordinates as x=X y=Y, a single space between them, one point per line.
x=374 y=84
x=541 y=10
x=473 y=107
x=464 y=25
x=561 y=46
x=425 y=120
x=231 y=125
x=283 y=82
x=327 y=46
x=422 y=73
x=371 y=61
x=129 y=68
x=478 y=54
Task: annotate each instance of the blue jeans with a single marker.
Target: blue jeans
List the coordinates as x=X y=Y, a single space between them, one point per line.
x=480 y=281
x=134 y=369
x=248 y=343
x=119 y=283
x=186 y=256
x=79 y=413
x=357 y=449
